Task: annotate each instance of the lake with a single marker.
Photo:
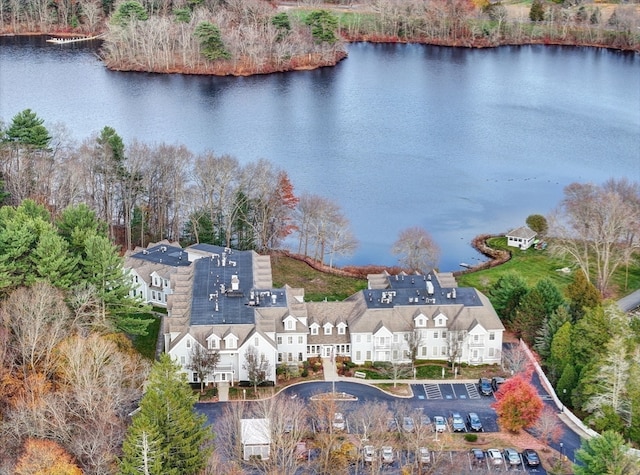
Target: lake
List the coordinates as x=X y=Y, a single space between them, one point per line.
x=458 y=141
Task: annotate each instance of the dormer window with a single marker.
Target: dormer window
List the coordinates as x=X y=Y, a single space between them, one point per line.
x=289 y=324
x=328 y=329
x=342 y=328
x=213 y=344
x=314 y=330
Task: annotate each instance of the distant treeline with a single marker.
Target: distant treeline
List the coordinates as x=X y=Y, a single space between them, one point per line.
x=242 y=37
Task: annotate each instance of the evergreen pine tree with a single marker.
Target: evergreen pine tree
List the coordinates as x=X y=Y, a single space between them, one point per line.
x=166 y=434
x=102 y=267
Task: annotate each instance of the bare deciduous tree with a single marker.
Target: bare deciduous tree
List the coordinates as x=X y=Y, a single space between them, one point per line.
x=416 y=250
x=39 y=320
x=598 y=227
x=203 y=361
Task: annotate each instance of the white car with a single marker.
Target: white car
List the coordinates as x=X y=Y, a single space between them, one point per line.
x=424 y=455
x=495 y=457
x=439 y=423
x=369 y=453
x=387 y=454
x=338 y=421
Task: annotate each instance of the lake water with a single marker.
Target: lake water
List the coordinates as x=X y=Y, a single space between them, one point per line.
x=460 y=142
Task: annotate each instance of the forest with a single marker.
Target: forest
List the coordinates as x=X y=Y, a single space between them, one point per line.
x=243 y=37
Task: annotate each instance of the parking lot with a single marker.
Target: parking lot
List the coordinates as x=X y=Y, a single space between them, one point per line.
x=448 y=391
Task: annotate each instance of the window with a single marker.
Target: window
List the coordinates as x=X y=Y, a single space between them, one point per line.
x=289 y=357
x=289 y=340
x=443 y=351
x=406 y=336
x=195 y=377
x=213 y=344
x=327 y=330
x=182 y=360
x=424 y=351
x=492 y=352
x=368 y=338
x=358 y=355
x=300 y=339
x=279 y=340
x=476 y=338
x=368 y=355
x=435 y=335
x=256 y=341
x=434 y=351
x=395 y=338
x=492 y=336
x=444 y=334
x=299 y=356
x=188 y=343
x=314 y=330
x=341 y=330
x=231 y=342
x=395 y=355
x=289 y=325
x=420 y=322
x=279 y=357
x=358 y=338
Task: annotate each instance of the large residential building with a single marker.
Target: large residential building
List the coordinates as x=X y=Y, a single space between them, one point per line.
x=223 y=300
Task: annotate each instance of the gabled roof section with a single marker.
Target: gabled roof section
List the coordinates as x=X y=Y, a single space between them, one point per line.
x=523 y=232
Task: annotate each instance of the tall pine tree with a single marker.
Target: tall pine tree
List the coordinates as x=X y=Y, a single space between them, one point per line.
x=166 y=437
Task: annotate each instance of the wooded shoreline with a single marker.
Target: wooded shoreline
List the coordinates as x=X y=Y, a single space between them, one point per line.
x=283 y=37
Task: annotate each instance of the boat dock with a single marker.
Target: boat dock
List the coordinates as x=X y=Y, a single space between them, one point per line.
x=75 y=39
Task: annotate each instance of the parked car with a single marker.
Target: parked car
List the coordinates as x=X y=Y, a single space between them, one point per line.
x=484 y=386
x=511 y=456
x=392 y=425
x=387 y=454
x=338 y=421
x=457 y=422
x=439 y=423
x=495 y=457
x=474 y=422
x=408 y=425
x=530 y=457
x=424 y=455
x=425 y=420
x=477 y=457
x=288 y=426
x=369 y=453
x=496 y=382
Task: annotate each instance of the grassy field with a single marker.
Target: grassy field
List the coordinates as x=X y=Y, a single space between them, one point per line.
x=534 y=265
x=317 y=285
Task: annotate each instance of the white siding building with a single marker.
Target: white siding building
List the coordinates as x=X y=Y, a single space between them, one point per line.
x=224 y=301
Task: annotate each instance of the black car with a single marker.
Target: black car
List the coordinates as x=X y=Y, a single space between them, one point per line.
x=530 y=457
x=484 y=386
x=473 y=421
x=496 y=382
x=477 y=457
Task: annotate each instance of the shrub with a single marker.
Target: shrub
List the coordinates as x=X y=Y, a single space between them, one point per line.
x=471 y=437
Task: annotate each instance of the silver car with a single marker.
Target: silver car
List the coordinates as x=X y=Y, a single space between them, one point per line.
x=511 y=456
x=408 y=425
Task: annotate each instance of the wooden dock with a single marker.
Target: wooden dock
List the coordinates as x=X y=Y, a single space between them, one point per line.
x=75 y=39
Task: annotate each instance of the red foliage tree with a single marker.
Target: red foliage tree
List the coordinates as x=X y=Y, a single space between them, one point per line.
x=518 y=405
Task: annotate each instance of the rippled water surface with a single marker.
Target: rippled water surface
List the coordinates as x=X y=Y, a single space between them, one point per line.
x=460 y=142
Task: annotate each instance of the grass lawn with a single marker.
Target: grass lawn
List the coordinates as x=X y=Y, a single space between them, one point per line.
x=535 y=265
x=146 y=344
x=317 y=285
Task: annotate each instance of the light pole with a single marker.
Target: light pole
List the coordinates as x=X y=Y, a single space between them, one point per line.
x=562 y=450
